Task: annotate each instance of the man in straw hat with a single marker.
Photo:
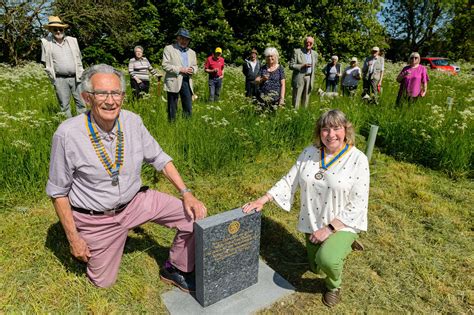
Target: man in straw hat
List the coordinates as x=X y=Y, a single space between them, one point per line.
x=180 y=64
x=62 y=58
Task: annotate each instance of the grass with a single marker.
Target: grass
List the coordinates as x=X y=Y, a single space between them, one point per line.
x=418 y=255
x=419 y=252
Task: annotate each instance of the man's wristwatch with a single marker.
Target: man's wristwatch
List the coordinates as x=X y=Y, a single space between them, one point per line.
x=332 y=228
x=184 y=190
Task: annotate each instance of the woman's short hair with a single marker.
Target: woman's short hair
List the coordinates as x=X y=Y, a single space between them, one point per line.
x=335 y=58
x=86 y=84
x=333 y=118
x=271 y=51
x=414 y=54
x=138 y=47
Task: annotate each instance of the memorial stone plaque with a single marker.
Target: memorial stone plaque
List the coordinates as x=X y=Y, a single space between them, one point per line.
x=227 y=249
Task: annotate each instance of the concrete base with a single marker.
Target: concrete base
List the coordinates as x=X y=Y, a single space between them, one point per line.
x=270 y=287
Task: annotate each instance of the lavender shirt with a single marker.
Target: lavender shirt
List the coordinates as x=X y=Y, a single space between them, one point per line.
x=76 y=171
x=412 y=83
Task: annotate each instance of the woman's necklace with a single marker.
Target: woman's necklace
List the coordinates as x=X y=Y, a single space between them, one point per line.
x=323 y=166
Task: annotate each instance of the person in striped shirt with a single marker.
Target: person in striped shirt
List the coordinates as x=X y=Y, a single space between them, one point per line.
x=138 y=68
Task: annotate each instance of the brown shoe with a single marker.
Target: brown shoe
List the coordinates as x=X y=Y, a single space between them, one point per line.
x=357 y=246
x=331 y=298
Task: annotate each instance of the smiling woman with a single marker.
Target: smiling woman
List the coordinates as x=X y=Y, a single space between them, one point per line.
x=334 y=178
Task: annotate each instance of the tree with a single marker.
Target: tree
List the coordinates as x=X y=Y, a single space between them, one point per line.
x=347 y=28
x=20 y=26
x=457 y=37
x=106 y=30
x=413 y=23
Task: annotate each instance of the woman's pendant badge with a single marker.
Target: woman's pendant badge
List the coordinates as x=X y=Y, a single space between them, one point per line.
x=115 y=180
x=319 y=175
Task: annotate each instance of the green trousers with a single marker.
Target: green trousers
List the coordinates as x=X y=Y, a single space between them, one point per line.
x=329 y=256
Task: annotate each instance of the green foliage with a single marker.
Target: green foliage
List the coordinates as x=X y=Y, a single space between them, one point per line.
x=455 y=40
x=20 y=27
x=438 y=27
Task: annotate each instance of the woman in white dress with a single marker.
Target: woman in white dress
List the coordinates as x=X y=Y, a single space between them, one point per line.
x=333 y=177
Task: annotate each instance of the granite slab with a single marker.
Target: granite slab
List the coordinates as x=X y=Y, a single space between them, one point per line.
x=270 y=288
x=227 y=250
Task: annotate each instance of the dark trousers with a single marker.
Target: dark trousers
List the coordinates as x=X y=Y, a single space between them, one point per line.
x=215 y=85
x=251 y=89
x=139 y=89
x=331 y=85
x=349 y=90
x=186 y=101
x=371 y=86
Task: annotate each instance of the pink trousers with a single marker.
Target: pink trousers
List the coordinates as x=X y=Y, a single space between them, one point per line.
x=106 y=234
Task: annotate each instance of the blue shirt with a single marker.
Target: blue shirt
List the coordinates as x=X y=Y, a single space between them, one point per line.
x=184 y=56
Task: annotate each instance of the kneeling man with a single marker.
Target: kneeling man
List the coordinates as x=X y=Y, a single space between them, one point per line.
x=94 y=182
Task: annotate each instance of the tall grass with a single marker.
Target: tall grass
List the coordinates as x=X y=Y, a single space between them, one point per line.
x=232 y=132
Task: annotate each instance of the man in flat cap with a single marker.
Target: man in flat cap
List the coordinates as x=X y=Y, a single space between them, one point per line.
x=250 y=69
x=179 y=63
x=372 y=74
x=62 y=59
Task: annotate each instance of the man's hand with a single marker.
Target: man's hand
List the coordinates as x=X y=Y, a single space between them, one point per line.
x=320 y=235
x=193 y=207
x=79 y=249
x=186 y=70
x=138 y=80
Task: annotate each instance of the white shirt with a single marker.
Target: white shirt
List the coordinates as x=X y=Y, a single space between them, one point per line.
x=350 y=76
x=343 y=193
x=253 y=64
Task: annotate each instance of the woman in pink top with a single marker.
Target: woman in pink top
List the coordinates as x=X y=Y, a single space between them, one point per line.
x=413 y=80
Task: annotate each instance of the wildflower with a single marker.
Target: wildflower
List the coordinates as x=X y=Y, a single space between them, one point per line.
x=21 y=144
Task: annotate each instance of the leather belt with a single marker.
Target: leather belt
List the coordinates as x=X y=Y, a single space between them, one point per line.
x=65 y=76
x=114 y=211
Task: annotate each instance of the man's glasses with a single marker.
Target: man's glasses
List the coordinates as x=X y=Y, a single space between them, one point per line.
x=102 y=95
x=57 y=30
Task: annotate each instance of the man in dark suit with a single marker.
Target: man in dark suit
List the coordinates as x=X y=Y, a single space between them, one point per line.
x=250 y=69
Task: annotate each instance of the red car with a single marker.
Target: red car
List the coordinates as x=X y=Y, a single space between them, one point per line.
x=440 y=64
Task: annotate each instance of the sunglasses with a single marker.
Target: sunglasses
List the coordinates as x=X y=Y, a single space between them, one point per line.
x=413 y=58
x=55 y=30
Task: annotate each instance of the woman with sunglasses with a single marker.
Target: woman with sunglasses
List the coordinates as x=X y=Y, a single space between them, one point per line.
x=413 y=80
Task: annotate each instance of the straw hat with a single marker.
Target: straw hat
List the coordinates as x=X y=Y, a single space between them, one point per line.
x=55 y=21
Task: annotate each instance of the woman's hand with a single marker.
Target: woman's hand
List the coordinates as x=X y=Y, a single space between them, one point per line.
x=256 y=205
x=320 y=235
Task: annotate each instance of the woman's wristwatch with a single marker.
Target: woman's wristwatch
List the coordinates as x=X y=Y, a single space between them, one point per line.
x=331 y=228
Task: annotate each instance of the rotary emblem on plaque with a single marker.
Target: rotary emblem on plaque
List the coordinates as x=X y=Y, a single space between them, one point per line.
x=234 y=227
